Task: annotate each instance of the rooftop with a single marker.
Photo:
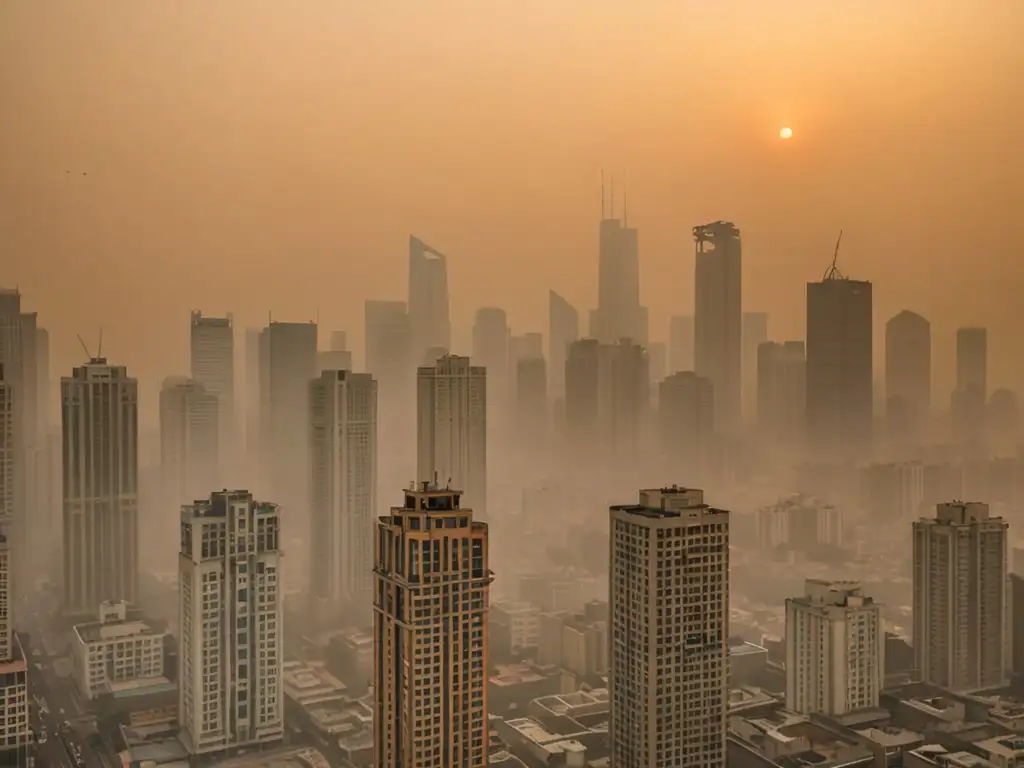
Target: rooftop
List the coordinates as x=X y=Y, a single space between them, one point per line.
x=100 y=631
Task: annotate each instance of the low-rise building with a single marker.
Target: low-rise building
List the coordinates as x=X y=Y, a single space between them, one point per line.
x=790 y=739
x=937 y=756
x=115 y=652
x=515 y=627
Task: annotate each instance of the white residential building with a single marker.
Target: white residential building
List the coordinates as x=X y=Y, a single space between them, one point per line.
x=835 y=649
x=960 y=597
x=432 y=581
x=668 y=626
x=452 y=427
x=230 y=615
x=115 y=650
x=101 y=481
x=343 y=414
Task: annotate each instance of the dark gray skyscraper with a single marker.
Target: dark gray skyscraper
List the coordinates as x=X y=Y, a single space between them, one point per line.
x=840 y=397
x=908 y=372
x=563 y=330
x=429 y=317
x=718 y=330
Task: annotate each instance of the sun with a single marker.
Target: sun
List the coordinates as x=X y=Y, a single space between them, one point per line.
x=785 y=132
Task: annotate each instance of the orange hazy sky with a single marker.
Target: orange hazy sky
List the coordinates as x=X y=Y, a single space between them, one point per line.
x=255 y=155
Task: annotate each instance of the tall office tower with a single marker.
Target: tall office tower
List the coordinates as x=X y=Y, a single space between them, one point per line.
x=388 y=347
x=835 y=649
x=619 y=314
x=189 y=440
x=686 y=420
x=287 y=364
x=491 y=350
x=972 y=360
x=960 y=608
x=657 y=355
x=230 y=624
x=7 y=461
x=908 y=373
x=343 y=414
x=101 y=486
x=44 y=398
x=431 y=602
x=718 y=331
x=213 y=366
x=668 y=655
x=680 y=343
x=755 y=333
x=563 y=330
x=782 y=391
x=607 y=398
x=527 y=346
x=428 y=299
x=532 y=406
x=452 y=427
x=840 y=396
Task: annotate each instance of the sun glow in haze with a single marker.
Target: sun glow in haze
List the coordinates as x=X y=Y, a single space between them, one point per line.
x=785 y=133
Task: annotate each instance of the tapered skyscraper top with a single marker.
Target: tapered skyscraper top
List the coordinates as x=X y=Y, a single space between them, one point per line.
x=428 y=298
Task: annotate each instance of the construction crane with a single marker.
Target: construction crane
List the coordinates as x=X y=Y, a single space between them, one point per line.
x=833 y=273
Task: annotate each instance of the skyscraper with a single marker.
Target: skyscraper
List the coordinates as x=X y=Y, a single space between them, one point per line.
x=432 y=580
x=908 y=373
x=686 y=420
x=619 y=314
x=532 y=406
x=782 y=391
x=189 y=440
x=669 y=623
x=840 y=396
x=7 y=459
x=491 y=350
x=680 y=343
x=287 y=365
x=212 y=350
x=563 y=330
x=343 y=413
x=972 y=360
x=230 y=624
x=960 y=605
x=452 y=427
x=755 y=333
x=718 y=331
x=101 y=482
x=428 y=299
x=835 y=649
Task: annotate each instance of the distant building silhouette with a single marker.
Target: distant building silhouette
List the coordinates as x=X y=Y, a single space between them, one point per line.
x=491 y=350
x=908 y=373
x=686 y=423
x=429 y=318
x=782 y=392
x=718 y=330
x=563 y=330
x=189 y=440
x=680 y=343
x=619 y=314
x=755 y=333
x=212 y=352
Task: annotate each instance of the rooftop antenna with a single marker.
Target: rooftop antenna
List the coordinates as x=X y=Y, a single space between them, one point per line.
x=833 y=273
x=611 y=199
x=99 y=350
x=88 y=354
x=625 y=208
x=602 y=194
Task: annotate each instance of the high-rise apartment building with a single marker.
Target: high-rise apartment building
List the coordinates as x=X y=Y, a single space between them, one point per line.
x=212 y=350
x=669 y=623
x=686 y=422
x=972 y=360
x=960 y=601
x=101 y=486
x=908 y=373
x=432 y=580
x=755 y=333
x=563 y=330
x=835 y=649
x=343 y=415
x=189 y=440
x=718 y=331
x=429 y=318
x=452 y=427
x=840 y=388
x=680 y=343
x=619 y=314
x=782 y=391
x=230 y=624
x=801 y=523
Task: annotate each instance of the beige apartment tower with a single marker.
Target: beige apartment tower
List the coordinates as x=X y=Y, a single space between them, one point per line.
x=669 y=621
x=431 y=596
x=960 y=604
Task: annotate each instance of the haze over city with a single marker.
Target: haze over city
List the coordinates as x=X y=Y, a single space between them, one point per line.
x=511 y=384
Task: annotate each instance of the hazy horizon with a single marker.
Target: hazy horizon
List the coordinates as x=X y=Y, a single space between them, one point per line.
x=170 y=157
